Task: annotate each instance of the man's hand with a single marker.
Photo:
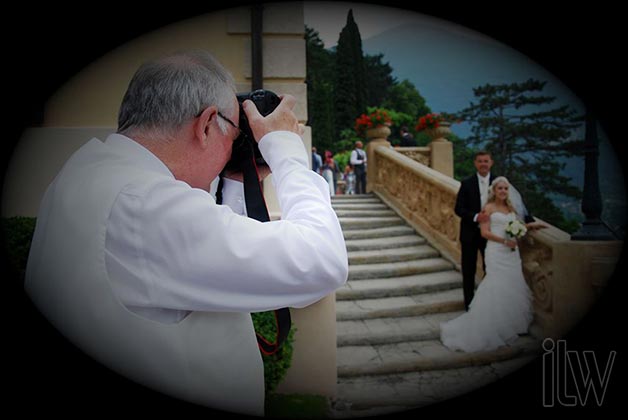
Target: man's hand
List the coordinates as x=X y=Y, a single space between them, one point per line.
x=281 y=119
x=482 y=217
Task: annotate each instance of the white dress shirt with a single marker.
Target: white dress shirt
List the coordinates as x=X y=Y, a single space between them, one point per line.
x=171 y=249
x=483 y=183
x=357 y=158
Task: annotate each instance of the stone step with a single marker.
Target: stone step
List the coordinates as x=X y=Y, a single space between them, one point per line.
x=366 y=396
x=365 y=213
x=379 y=331
x=400 y=306
x=357 y=200
x=354 y=196
x=392 y=255
x=389 y=355
x=398 y=269
x=413 y=356
x=384 y=243
x=354 y=223
x=400 y=286
x=359 y=206
x=382 y=232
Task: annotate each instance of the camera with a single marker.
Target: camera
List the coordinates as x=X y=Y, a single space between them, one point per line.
x=245 y=146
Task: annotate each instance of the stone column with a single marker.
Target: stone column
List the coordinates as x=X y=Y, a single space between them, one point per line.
x=442 y=150
x=442 y=157
x=375 y=137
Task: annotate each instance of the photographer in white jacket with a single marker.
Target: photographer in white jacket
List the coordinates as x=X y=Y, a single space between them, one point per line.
x=135 y=263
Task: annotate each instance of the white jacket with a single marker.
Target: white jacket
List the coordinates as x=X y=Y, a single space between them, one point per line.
x=119 y=243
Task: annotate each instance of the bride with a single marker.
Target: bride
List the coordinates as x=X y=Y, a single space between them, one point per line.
x=502 y=306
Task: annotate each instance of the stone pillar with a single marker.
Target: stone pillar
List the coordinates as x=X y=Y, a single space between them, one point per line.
x=313 y=369
x=375 y=137
x=442 y=156
x=442 y=150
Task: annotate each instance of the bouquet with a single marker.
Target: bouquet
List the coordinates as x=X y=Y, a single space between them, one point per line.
x=515 y=229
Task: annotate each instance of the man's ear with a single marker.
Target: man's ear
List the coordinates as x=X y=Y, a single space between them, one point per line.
x=202 y=125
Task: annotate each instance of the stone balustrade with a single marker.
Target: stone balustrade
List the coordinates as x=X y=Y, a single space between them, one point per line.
x=421 y=195
x=565 y=276
x=419 y=154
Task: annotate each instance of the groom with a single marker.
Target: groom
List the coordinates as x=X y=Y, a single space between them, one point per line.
x=470 y=201
x=471 y=198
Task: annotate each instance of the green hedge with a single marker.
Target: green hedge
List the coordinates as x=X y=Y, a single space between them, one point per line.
x=17 y=233
x=297 y=406
x=276 y=365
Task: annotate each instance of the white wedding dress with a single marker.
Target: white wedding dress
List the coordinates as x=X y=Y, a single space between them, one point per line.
x=502 y=306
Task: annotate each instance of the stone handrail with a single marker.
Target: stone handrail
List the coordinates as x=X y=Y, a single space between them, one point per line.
x=421 y=195
x=565 y=276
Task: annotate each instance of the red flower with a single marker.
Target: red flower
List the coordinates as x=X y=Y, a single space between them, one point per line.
x=374 y=119
x=429 y=121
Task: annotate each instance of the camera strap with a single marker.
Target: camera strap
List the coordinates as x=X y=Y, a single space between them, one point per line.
x=256 y=209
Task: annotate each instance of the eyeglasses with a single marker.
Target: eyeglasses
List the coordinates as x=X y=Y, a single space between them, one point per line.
x=231 y=123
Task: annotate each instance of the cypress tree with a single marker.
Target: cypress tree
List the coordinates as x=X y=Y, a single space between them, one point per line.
x=350 y=93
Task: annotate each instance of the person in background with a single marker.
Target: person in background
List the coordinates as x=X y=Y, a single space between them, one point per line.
x=358 y=160
x=407 y=139
x=349 y=178
x=328 y=171
x=317 y=161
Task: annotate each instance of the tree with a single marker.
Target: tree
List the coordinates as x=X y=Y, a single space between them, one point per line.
x=527 y=137
x=350 y=86
x=336 y=80
x=320 y=88
x=404 y=97
x=379 y=79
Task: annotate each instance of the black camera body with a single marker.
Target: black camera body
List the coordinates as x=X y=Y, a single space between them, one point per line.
x=245 y=146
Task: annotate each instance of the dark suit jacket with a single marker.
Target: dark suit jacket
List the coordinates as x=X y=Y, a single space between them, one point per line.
x=468 y=204
x=408 y=141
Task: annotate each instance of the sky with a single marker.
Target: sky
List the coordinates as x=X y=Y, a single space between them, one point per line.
x=443 y=60
x=328 y=18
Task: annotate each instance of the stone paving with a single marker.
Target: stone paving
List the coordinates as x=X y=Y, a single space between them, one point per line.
x=383 y=394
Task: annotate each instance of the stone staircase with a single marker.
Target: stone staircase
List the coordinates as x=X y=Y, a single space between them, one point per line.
x=399 y=291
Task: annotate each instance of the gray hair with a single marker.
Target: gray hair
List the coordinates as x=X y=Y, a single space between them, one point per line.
x=167 y=92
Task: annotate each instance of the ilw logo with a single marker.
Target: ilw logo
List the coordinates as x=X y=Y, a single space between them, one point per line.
x=573 y=377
